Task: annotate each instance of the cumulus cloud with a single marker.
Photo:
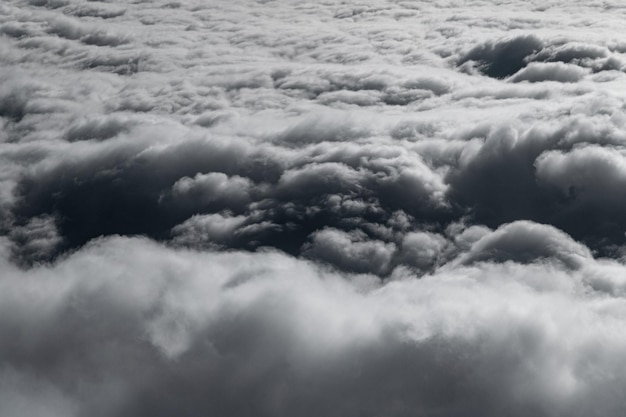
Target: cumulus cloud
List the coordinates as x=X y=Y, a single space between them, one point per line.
x=503 y=57
x=281 y=208
x=536 y=72
x=525 y=242
x=37 y=240
x=128 y=327
x=350 y=251
x=208 y=229
x=422 y=249
x=211 y=188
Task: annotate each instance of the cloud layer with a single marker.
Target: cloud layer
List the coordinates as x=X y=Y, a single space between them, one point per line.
x=127 y=327
x=284 y=208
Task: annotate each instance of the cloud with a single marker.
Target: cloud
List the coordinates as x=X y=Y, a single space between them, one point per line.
x=102 y=10
x=37 y=240
x=536 y=72
x=350 y=251
x=72 y=29
x=422 y=249
x=277 y=208
x=587 y=180
x=157 y=330
x=504 y=57
x=208 y=229
x=99 y=128
x=588 y=172
x=213 y=188
x=571 y=52
x=523 y=242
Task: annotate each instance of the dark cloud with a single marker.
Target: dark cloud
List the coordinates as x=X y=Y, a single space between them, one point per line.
x=528 y=58
x=507 y=179
x=504 y=57
x=119 y=186
x=586 y=181
x=36 y=240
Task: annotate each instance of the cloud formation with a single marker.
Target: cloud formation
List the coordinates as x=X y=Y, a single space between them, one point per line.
x=283 y=208
x=128 y=327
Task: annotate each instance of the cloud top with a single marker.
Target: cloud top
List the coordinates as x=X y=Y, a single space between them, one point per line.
x=281 y=208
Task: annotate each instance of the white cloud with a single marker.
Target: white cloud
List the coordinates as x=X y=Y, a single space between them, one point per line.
x=150 y=316
x=557 y=71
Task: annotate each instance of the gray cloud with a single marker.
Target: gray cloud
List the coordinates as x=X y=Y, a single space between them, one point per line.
x=155 y=330
x=536 y=72
x=350 y=251
x=504 y=57
x=524 y=242
x=334 y=208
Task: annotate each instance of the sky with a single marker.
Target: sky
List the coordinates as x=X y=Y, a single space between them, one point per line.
x=293 y=208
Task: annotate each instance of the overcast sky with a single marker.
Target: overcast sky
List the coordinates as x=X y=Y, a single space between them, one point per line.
x=312 y=209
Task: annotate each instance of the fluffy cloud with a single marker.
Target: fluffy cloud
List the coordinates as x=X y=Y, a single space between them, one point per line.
x=128 y=327
x=504 y=57
x=332 y=208
x=351 y=251
x=536 y=72
x=524 y=242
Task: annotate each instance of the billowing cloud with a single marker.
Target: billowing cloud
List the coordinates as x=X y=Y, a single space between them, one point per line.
x=504 y=57
x=557 y=71
x=524 y=242
x=351 y=251
x=282 y=208
x=128 y=327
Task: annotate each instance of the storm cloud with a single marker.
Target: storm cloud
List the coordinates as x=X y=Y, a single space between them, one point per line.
x=286 y=208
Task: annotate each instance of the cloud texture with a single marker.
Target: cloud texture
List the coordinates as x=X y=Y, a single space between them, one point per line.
x=289 y=208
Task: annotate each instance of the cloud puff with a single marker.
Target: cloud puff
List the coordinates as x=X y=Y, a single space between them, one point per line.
x=422 y=249
x=524 y=242
x=204 y=230
x=536 y=72
x=212 y=188
x=587 y=180
x=37 y=240
x=351 y=251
